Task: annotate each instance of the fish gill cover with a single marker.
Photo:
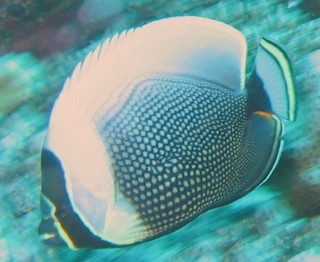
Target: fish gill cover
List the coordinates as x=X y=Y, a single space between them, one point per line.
x=277 y=222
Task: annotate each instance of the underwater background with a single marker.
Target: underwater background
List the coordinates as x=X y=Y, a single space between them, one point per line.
x=40 y=44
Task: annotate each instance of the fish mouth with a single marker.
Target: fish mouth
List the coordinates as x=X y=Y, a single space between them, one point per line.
x=49 y=233
x=47 y=228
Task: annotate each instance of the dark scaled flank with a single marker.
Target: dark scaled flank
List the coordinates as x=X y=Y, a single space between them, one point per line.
x=173 y=147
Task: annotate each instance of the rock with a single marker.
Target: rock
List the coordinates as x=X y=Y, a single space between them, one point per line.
x=95 y=15
x=21 y=76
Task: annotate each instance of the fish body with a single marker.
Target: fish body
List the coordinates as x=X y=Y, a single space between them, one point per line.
x=157 y=126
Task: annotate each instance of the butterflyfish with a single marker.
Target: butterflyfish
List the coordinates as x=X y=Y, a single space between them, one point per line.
x=158 y=125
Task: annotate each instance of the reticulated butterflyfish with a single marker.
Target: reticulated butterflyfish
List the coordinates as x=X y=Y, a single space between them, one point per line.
x=158 y=125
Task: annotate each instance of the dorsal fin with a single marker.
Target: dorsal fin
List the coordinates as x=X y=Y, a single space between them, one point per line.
x=191 y=45
x=195 y=46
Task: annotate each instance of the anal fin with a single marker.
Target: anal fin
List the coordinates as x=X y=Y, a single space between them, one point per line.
x=262 y=149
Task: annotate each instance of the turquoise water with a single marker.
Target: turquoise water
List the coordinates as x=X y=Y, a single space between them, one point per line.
x=41 y=44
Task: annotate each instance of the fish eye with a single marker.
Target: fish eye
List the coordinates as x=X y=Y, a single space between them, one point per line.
x=61 y=211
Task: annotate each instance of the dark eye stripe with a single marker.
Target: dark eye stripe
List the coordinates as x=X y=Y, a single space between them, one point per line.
x=67 y=223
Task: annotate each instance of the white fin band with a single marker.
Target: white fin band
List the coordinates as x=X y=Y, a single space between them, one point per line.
x=274 y=69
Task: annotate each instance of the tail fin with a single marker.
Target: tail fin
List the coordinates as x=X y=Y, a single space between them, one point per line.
x=272 y=78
